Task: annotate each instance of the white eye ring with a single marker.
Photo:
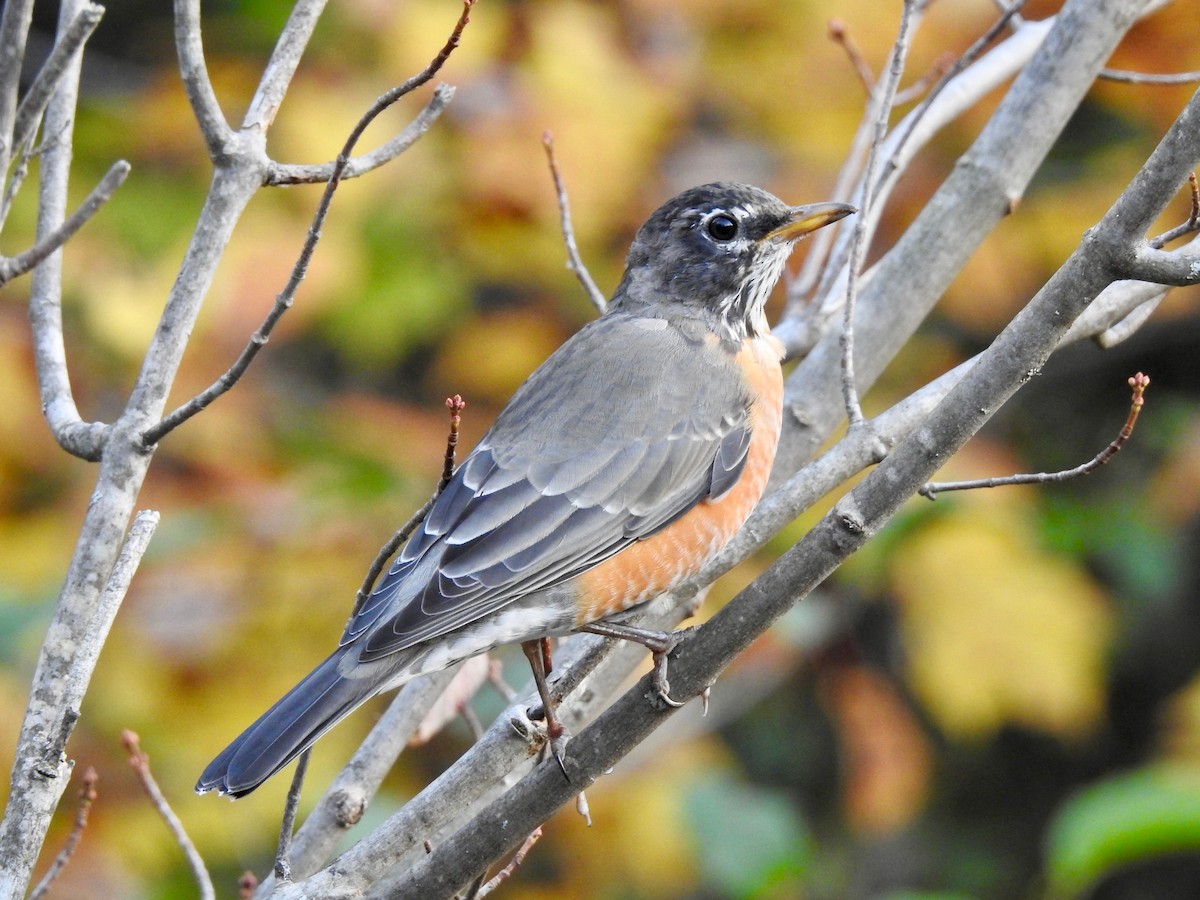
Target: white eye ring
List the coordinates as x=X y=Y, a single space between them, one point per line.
x=721 y=227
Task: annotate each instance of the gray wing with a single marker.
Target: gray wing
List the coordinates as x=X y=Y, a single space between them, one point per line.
x=623 y=430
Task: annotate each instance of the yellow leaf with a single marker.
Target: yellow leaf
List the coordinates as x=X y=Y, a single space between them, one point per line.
x=998 y=631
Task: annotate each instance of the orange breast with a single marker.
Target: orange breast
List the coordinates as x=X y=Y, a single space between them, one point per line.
x=664 y=560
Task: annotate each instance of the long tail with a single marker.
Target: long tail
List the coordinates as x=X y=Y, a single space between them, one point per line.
x=287 y=729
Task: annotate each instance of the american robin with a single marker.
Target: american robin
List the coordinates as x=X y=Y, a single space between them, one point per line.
x=624 y=463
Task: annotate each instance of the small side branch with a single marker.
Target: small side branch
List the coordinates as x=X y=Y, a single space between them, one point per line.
x=1138 y=383
x=456 y=405
x=16 y=266
x=87 y=796
x=1192 y=224
x=840 y=35
x=283 y=301
x=196 y=84
x=886 y=94
x=66 y=48
x=1126 y=77
x=283 y=854
x=574 y=260
x=290 y=174
x=513 y=864
x=140 y=763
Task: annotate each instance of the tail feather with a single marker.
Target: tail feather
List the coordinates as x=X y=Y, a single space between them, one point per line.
x=287 y=729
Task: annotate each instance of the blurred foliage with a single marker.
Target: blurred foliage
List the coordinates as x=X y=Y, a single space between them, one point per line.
x=998 y=697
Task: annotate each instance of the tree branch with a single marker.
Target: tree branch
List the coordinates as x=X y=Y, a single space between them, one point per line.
x=140 y=763
x=283 y=301
x=15 y=19
x=85 y=440
x=289 y=174
x=1022 y=347
x=980 y=191
x=193 y=68
x=574 y=260
x=16 y=266
x=65 y=52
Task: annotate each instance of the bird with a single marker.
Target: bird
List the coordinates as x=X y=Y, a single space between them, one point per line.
x=624 y=463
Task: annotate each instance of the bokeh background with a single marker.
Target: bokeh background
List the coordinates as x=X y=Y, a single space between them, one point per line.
x=997 y=698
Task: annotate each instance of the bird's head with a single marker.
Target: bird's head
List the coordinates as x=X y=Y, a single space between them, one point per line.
x=716 y=251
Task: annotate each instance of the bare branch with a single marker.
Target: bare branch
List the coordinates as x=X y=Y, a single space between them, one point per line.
x=1138 y=383
x=189 y=47
x=968 y=80
x=456 y=405
x=840 y=35
x=513 y=864
x=87 y=796
x=1125 y=77
x=574 y=260
x=975 y=195
x=283 y=301
x=290 y=174
x=16 y=266
x=277 y=74
x=346 y=799
x=283 y=854
x=67 y=47
x=45 y=303
x=1022 y=347
x=15 y=19
x=1190 y=226
x=886 y=95
x=140 y=763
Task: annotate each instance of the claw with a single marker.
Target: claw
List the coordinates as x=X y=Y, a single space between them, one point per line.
x=659 y=680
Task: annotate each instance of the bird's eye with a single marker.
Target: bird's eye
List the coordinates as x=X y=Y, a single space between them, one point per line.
x=722 y=227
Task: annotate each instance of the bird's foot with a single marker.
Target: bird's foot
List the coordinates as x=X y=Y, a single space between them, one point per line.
x=661 y=645
x=538 y=654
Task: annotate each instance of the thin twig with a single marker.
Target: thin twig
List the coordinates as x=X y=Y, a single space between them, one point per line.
x=935 y=74
x=574 y=260
x=283 y=301
x=140 y=763
x=513 y=864
x=840 y=35
x=887 y=96
x=66 y=47
x=291 y=173
x=16 y=266
x=283 y=854
x=456 y=405
x=1138 y=383
x=825 y=269
x=1126 y=77
x=1191 y=225
x=189 y=48
x=15 y=19
x=87 y=796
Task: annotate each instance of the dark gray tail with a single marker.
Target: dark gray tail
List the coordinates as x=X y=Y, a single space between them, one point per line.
x=287 y=729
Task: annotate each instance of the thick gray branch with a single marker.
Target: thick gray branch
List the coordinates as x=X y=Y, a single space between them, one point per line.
x=980 y=191
x=1021 y=349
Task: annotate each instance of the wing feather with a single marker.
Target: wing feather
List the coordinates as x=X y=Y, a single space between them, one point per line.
x=566 y=478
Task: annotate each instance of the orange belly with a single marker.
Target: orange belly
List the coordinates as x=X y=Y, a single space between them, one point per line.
x=664 y=560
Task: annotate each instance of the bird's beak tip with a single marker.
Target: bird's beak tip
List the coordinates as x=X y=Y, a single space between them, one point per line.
x=808 y=218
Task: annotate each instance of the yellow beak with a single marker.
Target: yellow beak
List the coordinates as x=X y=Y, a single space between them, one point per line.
x=809 y=218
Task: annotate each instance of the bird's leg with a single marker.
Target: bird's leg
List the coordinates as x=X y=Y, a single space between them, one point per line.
x=538 y=654
x=659 y=643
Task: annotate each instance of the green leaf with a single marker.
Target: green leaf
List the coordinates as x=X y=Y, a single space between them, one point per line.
x=1134 y=817
x=750 y=841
